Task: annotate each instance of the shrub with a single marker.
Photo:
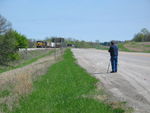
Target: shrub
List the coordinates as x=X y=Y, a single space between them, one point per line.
x=8 y=50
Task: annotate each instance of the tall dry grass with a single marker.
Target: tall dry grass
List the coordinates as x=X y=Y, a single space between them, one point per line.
x=19 y=82
x=23 y=84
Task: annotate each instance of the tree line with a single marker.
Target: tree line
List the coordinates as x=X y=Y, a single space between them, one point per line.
x=142 y=36
x=76 y=43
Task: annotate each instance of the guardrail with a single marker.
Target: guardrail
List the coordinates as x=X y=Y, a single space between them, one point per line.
x=32 y=49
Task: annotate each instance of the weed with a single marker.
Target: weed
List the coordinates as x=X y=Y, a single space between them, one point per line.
x=4 y=93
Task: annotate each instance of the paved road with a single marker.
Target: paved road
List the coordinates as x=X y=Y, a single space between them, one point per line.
x=131 y=83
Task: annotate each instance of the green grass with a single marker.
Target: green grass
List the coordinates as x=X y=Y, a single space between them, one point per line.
x=27 y=62
x=33 y=60
x=61 y=90
x=122 y=48
x=146 y=45
x=2 y=70
x=137 y=47
x=4 y=93
x=102 y=47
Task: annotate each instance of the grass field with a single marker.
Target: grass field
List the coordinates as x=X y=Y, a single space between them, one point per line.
x=27 y=61
x=61 y=90
x=123 y=48
x=130 y=47
x=34 y=59
x=135 y=47
x=19 y=82
x=102 y=47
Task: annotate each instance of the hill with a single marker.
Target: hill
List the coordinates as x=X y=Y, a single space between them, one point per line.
x=135 y=47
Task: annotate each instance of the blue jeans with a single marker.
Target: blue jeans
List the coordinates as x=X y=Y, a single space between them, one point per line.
x=114 y=62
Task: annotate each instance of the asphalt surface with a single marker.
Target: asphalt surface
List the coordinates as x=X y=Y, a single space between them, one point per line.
x=132 y=81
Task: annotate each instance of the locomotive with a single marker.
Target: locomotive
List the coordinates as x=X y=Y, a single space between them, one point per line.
x=55 y=43
x=41 y=44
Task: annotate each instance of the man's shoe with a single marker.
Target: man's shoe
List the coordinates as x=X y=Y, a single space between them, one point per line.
x=112 y=72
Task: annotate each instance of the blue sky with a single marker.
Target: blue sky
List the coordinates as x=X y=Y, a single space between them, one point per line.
x=89 y=20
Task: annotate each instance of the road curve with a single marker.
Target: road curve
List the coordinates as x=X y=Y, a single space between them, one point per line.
x=131 y=83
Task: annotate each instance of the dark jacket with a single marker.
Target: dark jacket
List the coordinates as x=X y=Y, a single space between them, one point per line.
x=113 y=50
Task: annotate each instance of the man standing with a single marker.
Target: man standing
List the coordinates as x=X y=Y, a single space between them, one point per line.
x=114 y=56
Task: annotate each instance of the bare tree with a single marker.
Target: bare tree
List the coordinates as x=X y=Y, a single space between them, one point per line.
x=4 y=25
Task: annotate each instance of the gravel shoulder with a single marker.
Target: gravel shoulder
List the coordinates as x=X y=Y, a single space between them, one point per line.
x=130 y=84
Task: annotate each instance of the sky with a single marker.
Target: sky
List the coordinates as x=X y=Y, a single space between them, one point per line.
x=88 y=20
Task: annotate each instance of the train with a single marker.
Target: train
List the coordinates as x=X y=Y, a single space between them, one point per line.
x=41 y=44
x=54 y=43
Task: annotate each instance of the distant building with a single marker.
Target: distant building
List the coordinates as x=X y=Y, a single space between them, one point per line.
x=57 y=42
